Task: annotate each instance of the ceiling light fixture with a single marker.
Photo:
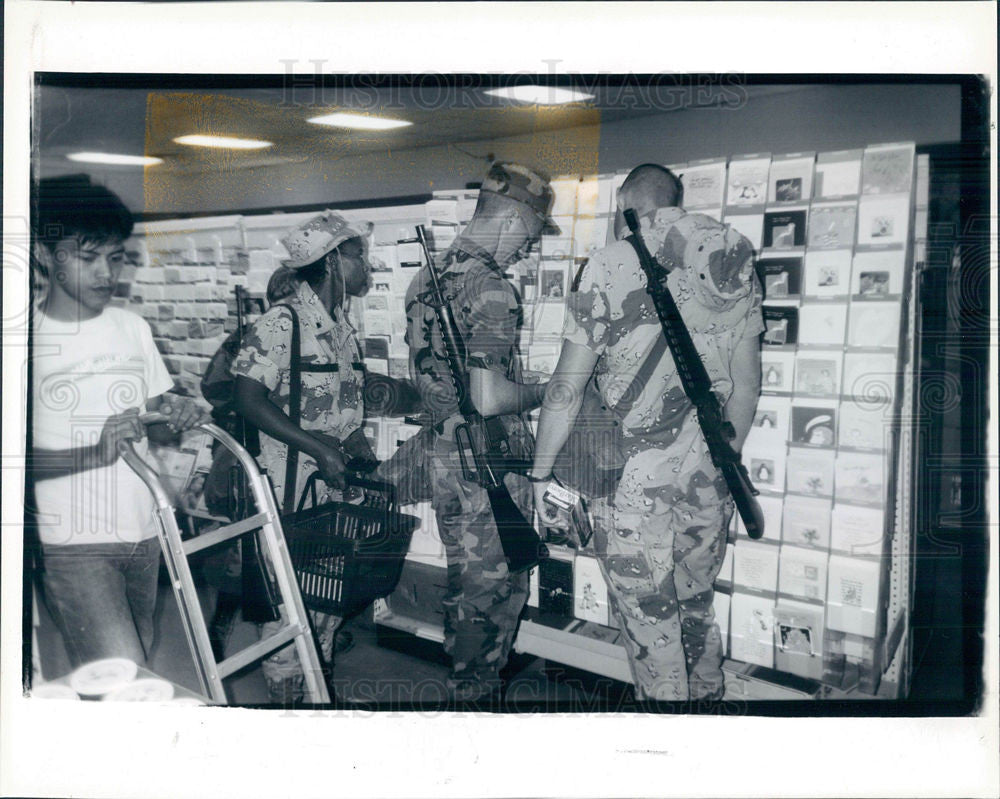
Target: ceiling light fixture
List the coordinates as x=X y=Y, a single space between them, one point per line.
x=228 y=142
x=359 y=121
x=540 y=95
x=115 y=159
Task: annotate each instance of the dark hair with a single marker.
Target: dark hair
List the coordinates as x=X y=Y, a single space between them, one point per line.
x=285 y=279
x=73 y=206
x=656 y=184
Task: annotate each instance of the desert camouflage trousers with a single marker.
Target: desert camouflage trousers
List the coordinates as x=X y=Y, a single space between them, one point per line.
x=660 y=544
x=484 y=600
x=283 y=671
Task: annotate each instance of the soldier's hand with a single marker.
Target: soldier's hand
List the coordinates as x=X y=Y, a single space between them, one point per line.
x=331 y=465
x=121 y=427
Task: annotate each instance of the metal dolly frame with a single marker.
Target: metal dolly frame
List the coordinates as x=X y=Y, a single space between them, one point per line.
x=296 y=627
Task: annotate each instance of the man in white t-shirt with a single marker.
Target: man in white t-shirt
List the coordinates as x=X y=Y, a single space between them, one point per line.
x=93 y=368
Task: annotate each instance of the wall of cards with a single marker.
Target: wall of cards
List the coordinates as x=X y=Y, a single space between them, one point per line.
x=833 y=234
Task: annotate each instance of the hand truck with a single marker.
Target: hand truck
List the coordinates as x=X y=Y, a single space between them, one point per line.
x=295 y=627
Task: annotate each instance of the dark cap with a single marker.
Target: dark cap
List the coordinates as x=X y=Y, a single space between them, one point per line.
x=526 y=186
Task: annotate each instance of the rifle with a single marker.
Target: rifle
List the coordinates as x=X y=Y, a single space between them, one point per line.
x=485 y=439
x=717 y=430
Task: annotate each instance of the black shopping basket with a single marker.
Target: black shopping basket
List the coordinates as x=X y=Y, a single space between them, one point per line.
x=345 y=555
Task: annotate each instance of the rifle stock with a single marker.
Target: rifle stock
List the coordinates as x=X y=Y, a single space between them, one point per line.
x=521 y=544
x=717 y=431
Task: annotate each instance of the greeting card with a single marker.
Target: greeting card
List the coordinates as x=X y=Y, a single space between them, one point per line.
x=806 y=522
x=817 y=372
x=766 y=467
x=790 y=178
x=874 y=324
x=555 y=586
x=822 y=324
x=777 y=368
x=542 y=357
x=870 y=376
x=831 y=225
x=827 y=274
x=864 y=425
x=838 y=174
x=877 y=274
x=552 y=282
x=810 y=472
x=814 y=423
x=590 y=591
x=887 y=169
x=798 y=638
x=803 y=573
x=786 y=228
x=770 y=425
x=750 y=225
x=781 y=325
x=704 y=183
x=860 y=477
x=852 y=595
x=857 y=530
x=747 y=180
x=781 y=277
x=751 y=629
x=755 y=566
x=883 y=220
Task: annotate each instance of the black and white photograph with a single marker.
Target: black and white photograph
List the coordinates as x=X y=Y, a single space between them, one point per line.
x=351 y=445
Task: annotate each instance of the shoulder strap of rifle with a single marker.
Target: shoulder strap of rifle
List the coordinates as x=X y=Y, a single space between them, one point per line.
x=676 y=334
x=294 y=411
x=631 y=394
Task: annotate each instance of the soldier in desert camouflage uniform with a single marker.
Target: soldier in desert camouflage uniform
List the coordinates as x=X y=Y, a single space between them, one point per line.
x=327 y=263
x=662 y=536
x=484 y=599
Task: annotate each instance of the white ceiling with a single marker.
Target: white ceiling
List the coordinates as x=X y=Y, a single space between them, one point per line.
x=145 y=119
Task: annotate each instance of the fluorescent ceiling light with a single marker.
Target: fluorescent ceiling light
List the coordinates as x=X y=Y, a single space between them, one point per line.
x=114 y=158
x=359 y=121
x=541 y=95
x=198 y=140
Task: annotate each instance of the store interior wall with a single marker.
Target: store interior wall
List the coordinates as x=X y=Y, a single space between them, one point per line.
x=818 y=118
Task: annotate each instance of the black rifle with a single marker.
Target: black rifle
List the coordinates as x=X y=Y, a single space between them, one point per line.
x=717 y=430
x=485 y=439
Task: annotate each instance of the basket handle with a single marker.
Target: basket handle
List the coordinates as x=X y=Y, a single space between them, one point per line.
x=350 y=479
x=373 y=485
x=308 y=488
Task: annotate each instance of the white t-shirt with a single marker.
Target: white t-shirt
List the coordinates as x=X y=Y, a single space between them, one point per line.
x=85 y=372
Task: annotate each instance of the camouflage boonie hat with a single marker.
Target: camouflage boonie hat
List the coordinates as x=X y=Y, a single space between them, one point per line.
x=310 y=241
x=526 y=186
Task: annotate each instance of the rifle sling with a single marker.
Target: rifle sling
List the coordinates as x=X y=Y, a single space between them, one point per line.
x=690 y=370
